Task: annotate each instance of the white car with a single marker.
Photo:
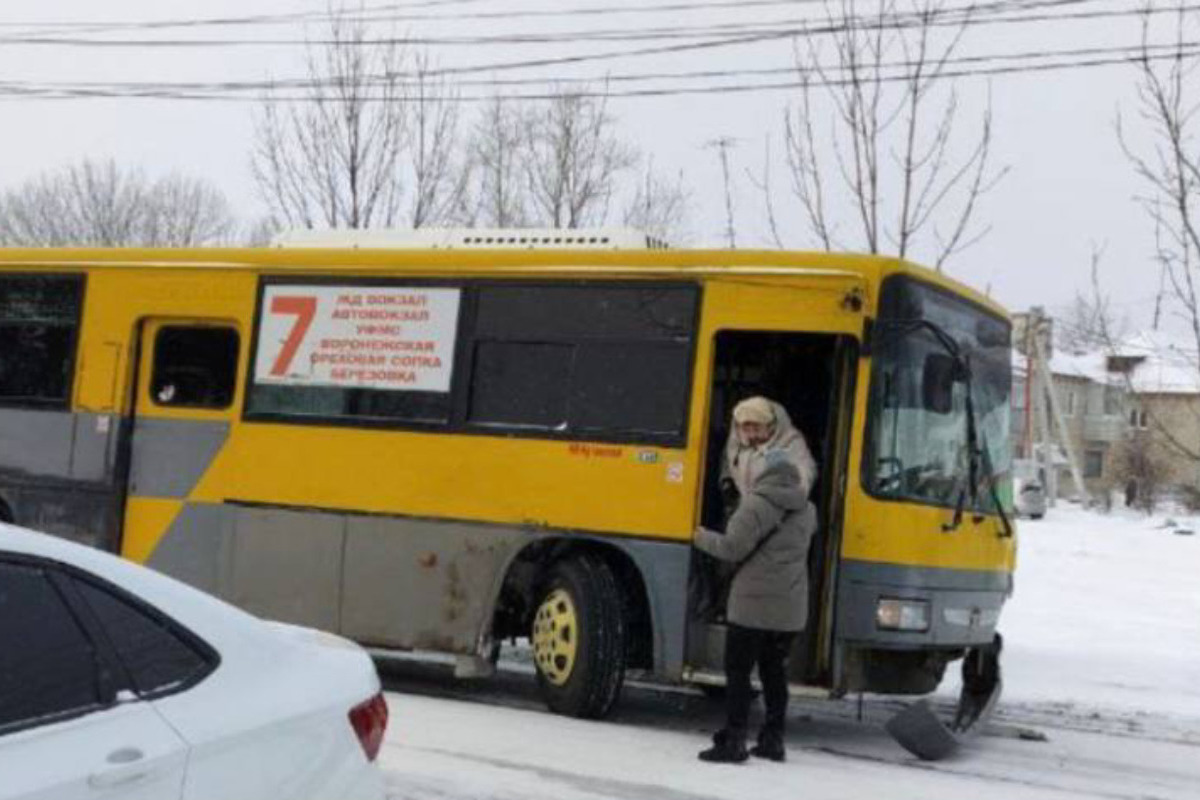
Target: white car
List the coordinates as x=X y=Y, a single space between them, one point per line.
x=120 y=683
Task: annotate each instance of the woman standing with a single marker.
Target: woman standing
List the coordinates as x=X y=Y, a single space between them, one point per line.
x=767 y=538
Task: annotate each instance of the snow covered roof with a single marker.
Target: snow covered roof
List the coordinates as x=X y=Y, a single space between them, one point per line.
x=1161 y=364
x=1091 y=366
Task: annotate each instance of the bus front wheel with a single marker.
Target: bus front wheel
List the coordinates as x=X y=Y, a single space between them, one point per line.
x=578 y=638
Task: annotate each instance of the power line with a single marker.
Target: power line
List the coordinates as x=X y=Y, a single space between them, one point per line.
x=969 y=66
x=1131 y=52
x=978 y=14
x=757 y=38
x=382 y=13
x=1188 y=50
x=231 y=21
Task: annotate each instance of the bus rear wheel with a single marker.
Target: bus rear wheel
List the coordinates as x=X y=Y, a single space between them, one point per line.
x=578 y=638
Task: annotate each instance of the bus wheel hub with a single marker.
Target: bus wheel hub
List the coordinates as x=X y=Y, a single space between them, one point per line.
x=555 y=636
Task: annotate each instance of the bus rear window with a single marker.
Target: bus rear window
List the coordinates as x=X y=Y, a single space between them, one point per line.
x=39 y=325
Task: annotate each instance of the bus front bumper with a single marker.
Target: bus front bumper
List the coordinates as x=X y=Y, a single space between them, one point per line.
x=895 y=607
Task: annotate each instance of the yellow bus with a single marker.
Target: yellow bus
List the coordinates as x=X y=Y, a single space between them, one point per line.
x=442 y=448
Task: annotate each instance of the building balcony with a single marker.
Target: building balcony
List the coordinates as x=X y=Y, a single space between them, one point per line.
x=1104 y=428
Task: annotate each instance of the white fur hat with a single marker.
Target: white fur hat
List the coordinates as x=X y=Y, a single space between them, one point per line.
x=754 y=409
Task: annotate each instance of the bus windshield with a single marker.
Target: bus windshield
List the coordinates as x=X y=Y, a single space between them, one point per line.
x=919 y=449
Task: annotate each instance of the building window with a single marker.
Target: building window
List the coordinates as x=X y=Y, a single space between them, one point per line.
x=1070 y=412
x=1138 y=418
x=1112 y=400
x=1093 y=464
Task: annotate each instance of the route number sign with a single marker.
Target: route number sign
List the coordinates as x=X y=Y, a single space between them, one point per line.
x=391 y=338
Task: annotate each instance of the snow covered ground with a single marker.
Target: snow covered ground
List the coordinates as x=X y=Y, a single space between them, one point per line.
x=1102 y=699
x=1106 y=613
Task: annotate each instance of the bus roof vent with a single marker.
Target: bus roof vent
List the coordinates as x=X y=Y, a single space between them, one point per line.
x=473 y=238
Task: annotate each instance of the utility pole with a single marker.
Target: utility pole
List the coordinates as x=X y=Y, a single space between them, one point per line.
x=1047 y=414
x=723 y=145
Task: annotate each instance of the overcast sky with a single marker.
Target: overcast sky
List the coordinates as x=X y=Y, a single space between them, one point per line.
x=1069 y=184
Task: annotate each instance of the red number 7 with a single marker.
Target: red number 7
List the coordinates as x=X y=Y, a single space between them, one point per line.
x=305 y=308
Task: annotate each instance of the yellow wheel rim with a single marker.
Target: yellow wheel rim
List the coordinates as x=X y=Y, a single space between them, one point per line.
x=555 y=637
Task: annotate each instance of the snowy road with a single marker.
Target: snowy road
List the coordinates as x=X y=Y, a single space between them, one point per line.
x=494 y=741
x=1103 y=667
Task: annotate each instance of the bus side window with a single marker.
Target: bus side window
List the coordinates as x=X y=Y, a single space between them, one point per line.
x=586 y=361
x=194 y=367
x=39 y=322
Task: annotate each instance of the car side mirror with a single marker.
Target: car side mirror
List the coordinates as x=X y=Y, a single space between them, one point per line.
x=939 y=373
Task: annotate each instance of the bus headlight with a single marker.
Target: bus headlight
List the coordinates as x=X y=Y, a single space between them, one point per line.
x=893 y=614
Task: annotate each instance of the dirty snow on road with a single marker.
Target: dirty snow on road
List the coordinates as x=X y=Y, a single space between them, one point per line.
x=1101 y=700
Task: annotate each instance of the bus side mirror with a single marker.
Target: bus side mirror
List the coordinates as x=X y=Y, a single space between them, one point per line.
x=938 y=376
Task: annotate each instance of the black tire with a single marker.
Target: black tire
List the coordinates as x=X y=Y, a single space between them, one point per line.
x=588 y=685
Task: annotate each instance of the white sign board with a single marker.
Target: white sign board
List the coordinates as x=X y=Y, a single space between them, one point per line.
x=369 y=337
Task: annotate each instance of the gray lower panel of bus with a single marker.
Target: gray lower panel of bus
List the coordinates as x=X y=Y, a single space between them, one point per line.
x=385 y=580
x=964 y=605
x=57 y=444
x=57 y=473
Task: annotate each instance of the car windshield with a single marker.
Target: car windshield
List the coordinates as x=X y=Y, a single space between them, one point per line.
x=918 y=449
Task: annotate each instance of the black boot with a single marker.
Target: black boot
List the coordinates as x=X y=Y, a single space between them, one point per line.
x=728 y=748
x=769 y=746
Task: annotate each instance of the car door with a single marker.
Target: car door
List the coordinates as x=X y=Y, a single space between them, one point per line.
x=69 y=725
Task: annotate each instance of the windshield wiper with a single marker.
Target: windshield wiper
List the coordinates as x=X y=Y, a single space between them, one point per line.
x=995 y=495
x=978 y=458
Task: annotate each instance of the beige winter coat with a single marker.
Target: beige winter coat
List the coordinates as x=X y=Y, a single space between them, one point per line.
x=770 y=590
x=743 y=462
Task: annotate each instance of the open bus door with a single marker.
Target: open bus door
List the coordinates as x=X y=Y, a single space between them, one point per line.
x=812 y=376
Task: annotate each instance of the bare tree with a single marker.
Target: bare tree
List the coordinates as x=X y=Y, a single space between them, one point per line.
x=182 y=211
x=101 y=204
x=260 y=232
x=1090 y=323
x=496 y=167
x=1170 y=171
x=1170 y=167
x=333 y=157
x=574 y=160
x=723 y=145
x=660 y=206
x=1082 y=328
x=893 y=154
x=440 y=176
x=763 y=183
